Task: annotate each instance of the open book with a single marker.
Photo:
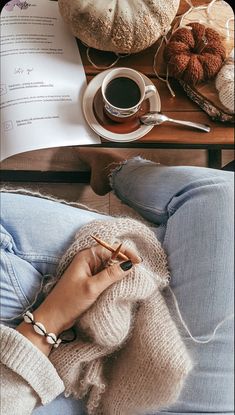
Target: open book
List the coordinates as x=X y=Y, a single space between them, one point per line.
x=42 y=80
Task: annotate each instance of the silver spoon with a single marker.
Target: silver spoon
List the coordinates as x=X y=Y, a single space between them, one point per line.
x=156 y=118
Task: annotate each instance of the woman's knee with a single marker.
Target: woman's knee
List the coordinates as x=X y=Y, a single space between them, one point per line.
x=221 y=195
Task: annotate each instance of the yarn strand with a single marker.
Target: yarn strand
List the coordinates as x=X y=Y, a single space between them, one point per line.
x=103 y=67
x=166 y=79
x=212 y=336
x=194 y=339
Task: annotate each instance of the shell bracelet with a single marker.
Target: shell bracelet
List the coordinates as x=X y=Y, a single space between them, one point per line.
x=40 y=329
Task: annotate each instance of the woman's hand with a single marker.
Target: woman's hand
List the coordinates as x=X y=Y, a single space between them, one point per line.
x=78 y=288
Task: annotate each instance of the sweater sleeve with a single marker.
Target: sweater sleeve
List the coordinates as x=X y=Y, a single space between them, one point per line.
x=27 y=376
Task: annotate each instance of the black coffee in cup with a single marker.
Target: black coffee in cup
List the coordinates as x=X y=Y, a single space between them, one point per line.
x=123 y=92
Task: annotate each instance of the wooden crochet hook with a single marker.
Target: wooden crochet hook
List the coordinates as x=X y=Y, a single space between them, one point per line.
x=111 y=249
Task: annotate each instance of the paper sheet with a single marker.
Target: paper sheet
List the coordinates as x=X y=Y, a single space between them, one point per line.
x=42 y=80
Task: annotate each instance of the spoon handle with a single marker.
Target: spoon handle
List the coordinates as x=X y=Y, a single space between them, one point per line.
x=202 y=127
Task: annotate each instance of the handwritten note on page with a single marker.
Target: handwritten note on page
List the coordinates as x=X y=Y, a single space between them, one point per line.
x=42 y=80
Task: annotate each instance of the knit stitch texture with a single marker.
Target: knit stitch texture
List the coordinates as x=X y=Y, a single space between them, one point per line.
x=23 y=358
x=133 y=360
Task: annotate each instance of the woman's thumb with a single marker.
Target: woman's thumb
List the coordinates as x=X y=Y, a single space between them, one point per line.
x=112 y=274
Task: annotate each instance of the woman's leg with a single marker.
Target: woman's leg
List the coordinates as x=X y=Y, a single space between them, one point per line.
x=34 y=234
x=194 y=208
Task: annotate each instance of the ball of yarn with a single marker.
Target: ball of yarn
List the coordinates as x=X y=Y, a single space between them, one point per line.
x=225 y=85
x=194 y=53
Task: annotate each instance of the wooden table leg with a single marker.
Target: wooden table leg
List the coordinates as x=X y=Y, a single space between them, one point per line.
x=214 y=158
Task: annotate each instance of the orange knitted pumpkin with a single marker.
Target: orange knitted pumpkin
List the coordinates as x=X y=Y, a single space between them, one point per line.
x=194 y=55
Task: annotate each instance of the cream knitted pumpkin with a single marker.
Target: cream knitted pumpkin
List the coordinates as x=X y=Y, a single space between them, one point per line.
x=225 y=83
x=121 y=26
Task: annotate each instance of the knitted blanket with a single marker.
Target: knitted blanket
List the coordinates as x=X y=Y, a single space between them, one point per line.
x=133 y=360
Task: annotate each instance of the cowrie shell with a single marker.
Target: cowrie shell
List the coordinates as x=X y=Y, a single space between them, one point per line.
x=57 y=343
x=51 y=338
x=39 y=328
x=28 y=318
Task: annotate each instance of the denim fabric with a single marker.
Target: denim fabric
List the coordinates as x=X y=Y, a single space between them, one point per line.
x=193 y=212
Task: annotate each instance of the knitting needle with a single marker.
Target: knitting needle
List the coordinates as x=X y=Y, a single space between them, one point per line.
x=110 y=248
x=114 y=255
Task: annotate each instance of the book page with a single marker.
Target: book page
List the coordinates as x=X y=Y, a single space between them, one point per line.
x=42 y=80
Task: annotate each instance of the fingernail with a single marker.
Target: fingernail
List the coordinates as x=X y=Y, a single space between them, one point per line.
x=126 y=265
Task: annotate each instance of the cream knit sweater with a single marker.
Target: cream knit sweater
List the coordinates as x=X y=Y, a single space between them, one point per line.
x=134 y=361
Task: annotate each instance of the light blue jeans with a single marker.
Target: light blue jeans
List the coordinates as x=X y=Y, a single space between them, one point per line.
x=193 y=212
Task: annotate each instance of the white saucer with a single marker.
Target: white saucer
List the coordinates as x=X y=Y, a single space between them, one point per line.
x=87 y=105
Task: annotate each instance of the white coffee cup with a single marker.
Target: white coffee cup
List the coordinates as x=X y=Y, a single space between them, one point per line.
x=124 y=114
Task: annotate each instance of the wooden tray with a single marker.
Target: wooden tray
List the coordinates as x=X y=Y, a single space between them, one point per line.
x=206 y=96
